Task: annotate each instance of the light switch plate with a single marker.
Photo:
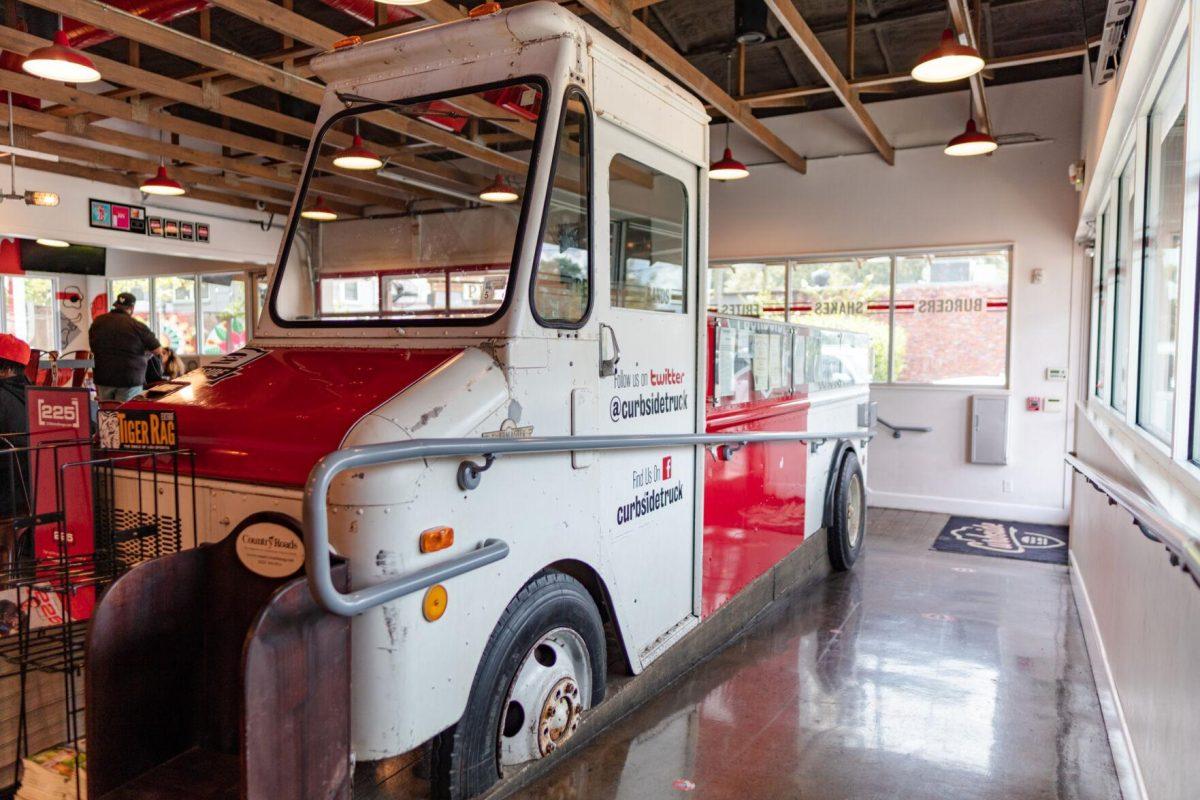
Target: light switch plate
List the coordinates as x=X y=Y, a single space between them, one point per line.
x=1056 y=374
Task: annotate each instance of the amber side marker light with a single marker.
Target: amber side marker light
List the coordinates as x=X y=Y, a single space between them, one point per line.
x=434 y=604
x=438 y=538
x=483 y=10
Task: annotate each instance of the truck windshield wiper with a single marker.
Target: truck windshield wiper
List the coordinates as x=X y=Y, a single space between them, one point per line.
x=413 y=110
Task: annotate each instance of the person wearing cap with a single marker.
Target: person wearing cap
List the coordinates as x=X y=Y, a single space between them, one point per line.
x=121 y=346
x=14 y=355
x=14 y=489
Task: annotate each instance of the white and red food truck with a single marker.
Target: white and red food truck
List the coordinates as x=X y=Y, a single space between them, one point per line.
x=506 y=407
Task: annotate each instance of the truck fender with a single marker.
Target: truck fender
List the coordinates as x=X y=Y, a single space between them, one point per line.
x=842 y=447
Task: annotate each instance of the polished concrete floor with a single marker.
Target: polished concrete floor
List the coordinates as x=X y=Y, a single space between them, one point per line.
x=917 y=675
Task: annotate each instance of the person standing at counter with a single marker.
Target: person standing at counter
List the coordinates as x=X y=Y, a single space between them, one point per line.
x=121 y=346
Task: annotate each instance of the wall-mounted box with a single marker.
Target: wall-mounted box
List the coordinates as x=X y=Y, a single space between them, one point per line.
x=989 y=429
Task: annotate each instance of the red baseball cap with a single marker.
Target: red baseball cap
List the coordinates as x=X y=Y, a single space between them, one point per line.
x=13 y=349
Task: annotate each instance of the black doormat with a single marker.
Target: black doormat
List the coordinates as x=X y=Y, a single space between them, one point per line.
x=1002 y=539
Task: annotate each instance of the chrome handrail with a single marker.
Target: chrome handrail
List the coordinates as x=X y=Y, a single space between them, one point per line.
x=316 y=493
x=898 y=429
x=1181 y=542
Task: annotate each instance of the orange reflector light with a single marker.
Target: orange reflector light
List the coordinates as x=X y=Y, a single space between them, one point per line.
x=349 y=41
x=434 y=604
x=483 y=9
x=436 y=539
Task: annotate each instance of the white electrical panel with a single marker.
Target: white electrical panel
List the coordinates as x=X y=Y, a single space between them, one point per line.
x=989 y=429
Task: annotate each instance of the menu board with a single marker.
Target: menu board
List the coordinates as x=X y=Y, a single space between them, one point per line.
x=116 y=216
x=723 y=371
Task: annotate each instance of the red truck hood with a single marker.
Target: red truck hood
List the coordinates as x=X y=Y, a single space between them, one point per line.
x=266 y=416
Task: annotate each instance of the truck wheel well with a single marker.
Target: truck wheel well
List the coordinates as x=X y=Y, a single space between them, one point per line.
x=591 y=580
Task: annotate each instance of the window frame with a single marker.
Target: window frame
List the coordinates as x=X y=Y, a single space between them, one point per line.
x=791 y=261
x=572 y=91
x=54 y=305
x=246 y=276
x=280 y=266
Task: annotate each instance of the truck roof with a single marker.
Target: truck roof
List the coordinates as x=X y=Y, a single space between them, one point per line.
x=517 y=27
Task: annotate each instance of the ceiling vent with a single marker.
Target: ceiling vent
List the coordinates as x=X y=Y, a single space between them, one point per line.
x=1112 y=40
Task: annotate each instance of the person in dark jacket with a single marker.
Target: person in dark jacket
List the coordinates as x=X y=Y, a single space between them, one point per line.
x=14 y=425
x=121 y=346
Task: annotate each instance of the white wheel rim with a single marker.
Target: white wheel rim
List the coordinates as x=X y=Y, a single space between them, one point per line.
x=854 y=514
x=548 y=694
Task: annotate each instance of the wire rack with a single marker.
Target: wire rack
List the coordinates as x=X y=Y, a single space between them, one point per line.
x=137 y=506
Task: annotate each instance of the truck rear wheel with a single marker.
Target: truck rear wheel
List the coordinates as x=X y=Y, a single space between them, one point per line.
x=849 y=527
x=543 y=666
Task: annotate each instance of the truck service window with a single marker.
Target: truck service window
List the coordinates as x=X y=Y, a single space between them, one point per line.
x=561 y=282
x=412 y=232
x=648 y=223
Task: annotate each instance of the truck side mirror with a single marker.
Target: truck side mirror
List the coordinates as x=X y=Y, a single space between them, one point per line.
x=610 y=351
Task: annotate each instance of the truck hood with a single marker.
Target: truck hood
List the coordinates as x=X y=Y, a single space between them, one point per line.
x=266 y=416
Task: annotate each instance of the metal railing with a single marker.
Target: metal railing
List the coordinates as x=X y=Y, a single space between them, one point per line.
x=1156 y=524
x=316 y=493
x=899 y=429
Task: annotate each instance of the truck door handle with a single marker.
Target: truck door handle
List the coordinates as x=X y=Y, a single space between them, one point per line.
x=608 y=365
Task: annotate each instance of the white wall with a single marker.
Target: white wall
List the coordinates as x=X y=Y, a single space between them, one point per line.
x=238 y=239
x=857 y=202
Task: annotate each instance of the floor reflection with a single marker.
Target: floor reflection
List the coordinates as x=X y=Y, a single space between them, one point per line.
x=918 y=675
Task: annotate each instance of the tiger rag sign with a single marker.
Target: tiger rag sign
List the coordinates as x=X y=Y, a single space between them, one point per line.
x=60 y=430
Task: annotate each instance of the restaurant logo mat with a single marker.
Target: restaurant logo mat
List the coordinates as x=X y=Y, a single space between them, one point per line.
x=991 y=537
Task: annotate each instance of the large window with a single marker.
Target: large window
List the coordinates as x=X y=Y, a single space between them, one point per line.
x=1161 y=261
x=648 y=219
x=193 y=314
x=934 y=317
x=30 y=310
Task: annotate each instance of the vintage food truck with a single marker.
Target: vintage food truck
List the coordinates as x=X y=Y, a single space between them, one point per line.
x=507 y=407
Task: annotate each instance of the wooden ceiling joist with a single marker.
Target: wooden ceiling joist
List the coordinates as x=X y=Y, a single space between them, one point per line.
x=785 y=11
x=618 y=14
x=960 y=16
x=210 y=55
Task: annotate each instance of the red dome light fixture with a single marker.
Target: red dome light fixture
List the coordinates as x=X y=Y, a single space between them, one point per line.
x=498 y=191
x=728 y=168
x=357 y=156
x=951 y=60
x=61 y=62
x=162 y=184
x=319 y=211
x=971 y=142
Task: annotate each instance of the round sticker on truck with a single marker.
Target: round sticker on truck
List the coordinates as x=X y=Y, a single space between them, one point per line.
x=270 y=550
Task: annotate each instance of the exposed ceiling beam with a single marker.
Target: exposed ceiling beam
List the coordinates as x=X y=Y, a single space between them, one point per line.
x=874 y=82
x=960 y=15
x=208 y=54
x=618 y=14
x=785 y=11
x=109 y=108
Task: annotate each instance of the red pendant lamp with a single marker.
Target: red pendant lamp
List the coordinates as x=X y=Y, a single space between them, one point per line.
x=162 y=184
x=971 y=142
x=61 y=62
x=357 y=156
x=949 y=61
x=320 y=211
x=498 y=191
x=728 y=168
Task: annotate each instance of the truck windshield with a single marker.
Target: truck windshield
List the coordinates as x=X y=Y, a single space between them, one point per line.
x=412 y=211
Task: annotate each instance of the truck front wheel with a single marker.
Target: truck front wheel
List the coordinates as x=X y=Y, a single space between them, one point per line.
x=849 y=526
x=544 y=664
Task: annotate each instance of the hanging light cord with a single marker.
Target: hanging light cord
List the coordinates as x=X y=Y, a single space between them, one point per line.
x=729 y=89
x=12 y=156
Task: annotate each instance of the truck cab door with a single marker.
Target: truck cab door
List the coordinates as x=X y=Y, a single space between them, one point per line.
x=647 y=306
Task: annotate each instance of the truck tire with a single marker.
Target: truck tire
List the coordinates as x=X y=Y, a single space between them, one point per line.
x=849 y=514
x=543 y=665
